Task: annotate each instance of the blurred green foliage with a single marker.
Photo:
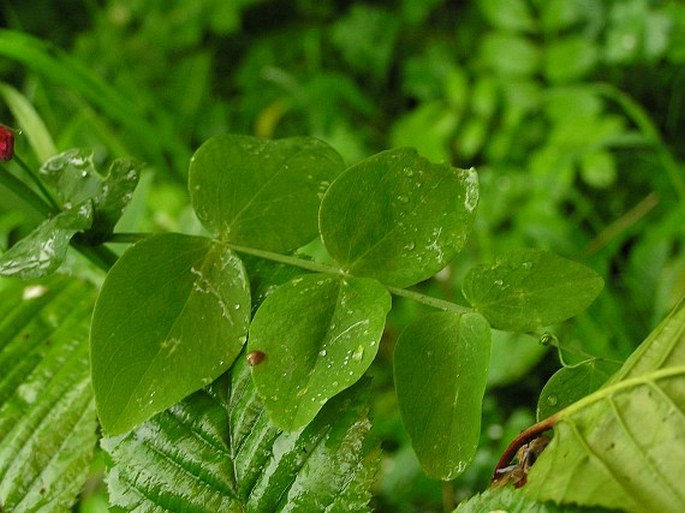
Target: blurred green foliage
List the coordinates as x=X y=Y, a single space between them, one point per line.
x=573 y=111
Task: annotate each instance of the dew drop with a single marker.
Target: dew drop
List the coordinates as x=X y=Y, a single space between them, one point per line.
x=33 y=291
x=552 y=400
x=410 y=246
x=323 y=352
x=403 y=198
x=527 y=265
x=237 y=307
x=358 y=353
x=408 y=171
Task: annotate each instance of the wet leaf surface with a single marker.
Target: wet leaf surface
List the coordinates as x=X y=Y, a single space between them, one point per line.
x=45 y=248
x=47 y=411
x=397 y=217
x=441 y=368
x=172 y=316
x=528 y=289
x=262 y=193
x=319 y=334
x=218 y=451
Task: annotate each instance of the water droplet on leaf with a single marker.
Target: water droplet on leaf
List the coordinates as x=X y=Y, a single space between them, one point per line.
x=358 y=353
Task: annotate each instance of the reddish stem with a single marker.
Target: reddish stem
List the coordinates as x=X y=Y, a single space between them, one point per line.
x=525 y=437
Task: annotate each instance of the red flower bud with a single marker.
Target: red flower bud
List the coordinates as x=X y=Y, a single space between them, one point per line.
x=6 y=143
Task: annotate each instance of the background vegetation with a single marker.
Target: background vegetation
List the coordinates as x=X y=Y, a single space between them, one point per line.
x=573 y=111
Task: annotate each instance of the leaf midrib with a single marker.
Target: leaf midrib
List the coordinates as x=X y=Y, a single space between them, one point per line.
x=645 y=379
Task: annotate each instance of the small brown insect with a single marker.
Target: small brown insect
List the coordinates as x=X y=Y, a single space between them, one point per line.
x=524 y=450
x=517 y=473
x=255 y=358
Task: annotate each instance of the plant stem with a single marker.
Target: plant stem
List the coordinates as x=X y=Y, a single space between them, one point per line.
x=312 y=266
x=36 y=180
x=622 y=224
x=101 y=256
x=448 y=502
x=309 y=265
x=127 y=238
x=440 y=304
x=25 y=193
x=328 y=269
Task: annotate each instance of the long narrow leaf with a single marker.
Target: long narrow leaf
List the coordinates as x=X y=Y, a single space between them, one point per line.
x=30 y=122
x=59 y=67
x=47 y=411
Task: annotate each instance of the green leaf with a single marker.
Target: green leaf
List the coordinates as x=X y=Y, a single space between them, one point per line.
x=598 y=169
x=75 y=180
x=621 y=447
x=73 y=177
x=219 y=452
x=47 y=413
x=365 y=37
x=45 y=248
x=510 y=500
x=570 y=384
x=91 y=205
x=529 y=289
x=172 y=315
x=319 y=334
x=510 y=55
x=570 y=58
x=556 y=15
x=117 y=191
x=441 y=368
x=513 y=15
x=429 y=128
x=266 y=276
x=397 y=217
x=261 y=193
